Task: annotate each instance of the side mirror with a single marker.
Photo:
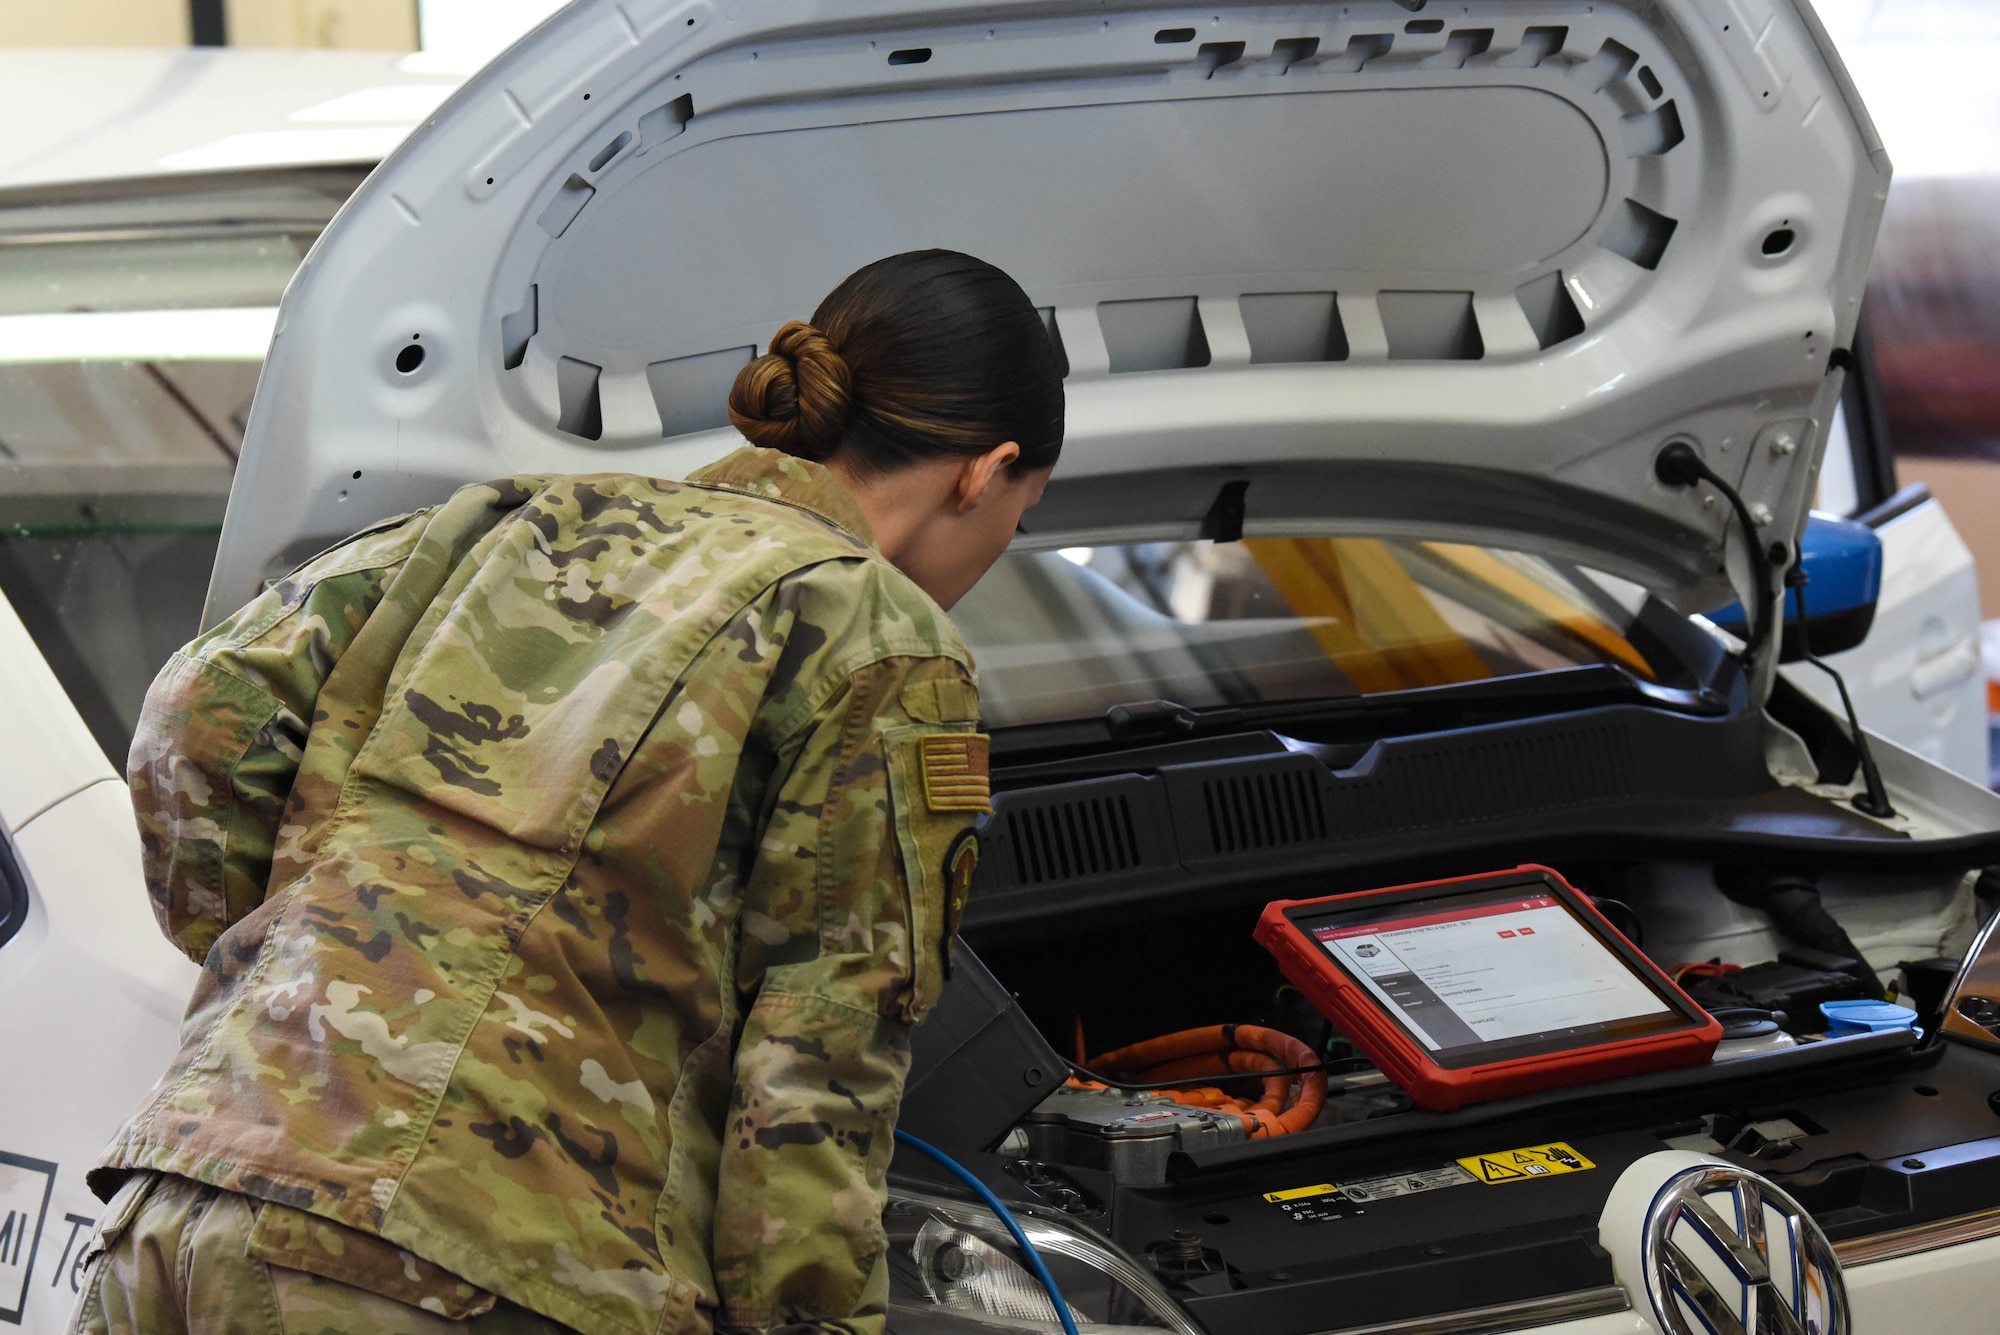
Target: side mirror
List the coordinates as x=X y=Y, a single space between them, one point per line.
x=1843 y=565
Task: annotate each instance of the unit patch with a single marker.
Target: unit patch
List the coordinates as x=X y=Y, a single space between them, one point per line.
x=955 y=774
x=961 y=864
x=1520 y=1165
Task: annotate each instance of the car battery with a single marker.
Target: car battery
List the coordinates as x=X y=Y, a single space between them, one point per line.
x=1127 y=1134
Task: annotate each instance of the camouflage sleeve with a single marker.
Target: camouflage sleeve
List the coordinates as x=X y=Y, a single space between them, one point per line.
x=224 y=726
x=865 y=856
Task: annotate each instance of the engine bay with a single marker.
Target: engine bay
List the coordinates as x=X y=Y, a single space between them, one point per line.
x=1763 y=971
x=1762 y=902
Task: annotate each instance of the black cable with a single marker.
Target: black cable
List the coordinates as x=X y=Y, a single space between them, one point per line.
x=1622 y=916
x=1082 y=1072
x=1874 y=799
x=1678 y=465
x=1792 y=901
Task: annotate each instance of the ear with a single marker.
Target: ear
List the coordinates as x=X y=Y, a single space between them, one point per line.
x=977 y=476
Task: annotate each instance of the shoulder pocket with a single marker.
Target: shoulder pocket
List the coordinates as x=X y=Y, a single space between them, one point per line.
x=939 y=788
x=364 y=560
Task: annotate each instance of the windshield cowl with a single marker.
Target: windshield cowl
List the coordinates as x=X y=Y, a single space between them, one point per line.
x=1331 y=727
x=1570 y=688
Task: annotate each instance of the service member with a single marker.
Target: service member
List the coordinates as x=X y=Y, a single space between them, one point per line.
x=570 y=861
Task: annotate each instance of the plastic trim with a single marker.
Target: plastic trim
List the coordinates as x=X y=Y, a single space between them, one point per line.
x=1606 y=1300
x=1936 y=1234
x=1898 y=505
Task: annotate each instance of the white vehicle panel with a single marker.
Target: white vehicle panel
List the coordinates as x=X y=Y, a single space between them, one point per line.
x=51 y=754
x=1949 y=1291
x=1917 y=676
x=550 y=244
x=135 y=113
x=94 y=998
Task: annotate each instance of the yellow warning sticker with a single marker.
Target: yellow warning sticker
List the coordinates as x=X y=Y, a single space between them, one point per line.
x=1299 y=1193
x=1522 y=1164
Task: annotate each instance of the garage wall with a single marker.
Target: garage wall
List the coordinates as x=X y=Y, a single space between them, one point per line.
x=1969 y=490
x=354 y=25
x=364 y=25
x=94 y=23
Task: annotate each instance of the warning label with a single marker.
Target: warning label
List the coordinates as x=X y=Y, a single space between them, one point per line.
x=1407 y=1184
x=1522 y=1164
x=1310 y=1205
x=1300 y=1193
x=1316 y=1210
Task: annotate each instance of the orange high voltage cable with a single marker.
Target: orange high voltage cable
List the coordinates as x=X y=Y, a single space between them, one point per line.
x=1227 y=1050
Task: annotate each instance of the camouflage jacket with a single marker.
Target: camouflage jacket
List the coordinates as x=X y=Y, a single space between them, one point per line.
x=568 y=863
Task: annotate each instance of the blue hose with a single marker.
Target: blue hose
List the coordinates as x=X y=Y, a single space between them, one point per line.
x=1035 y=1262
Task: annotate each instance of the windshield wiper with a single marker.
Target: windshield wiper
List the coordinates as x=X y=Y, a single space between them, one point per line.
x=1564 y=689
x=1427 y=708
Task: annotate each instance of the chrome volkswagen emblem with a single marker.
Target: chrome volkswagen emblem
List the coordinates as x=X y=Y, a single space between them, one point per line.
x=1728 y=1253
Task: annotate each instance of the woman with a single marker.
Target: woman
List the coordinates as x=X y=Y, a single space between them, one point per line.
x=570 y=861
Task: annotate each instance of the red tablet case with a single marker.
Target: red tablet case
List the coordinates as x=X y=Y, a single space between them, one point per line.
x=1363 y=1020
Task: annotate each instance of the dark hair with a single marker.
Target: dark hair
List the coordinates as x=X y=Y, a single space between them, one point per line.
x=917 y=356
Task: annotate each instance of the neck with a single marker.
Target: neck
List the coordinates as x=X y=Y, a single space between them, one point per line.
x=898 y=504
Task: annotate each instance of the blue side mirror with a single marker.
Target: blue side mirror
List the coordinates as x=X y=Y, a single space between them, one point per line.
x=1843 y=565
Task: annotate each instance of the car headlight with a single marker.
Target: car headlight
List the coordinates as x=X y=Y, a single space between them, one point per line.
x=953 y=1269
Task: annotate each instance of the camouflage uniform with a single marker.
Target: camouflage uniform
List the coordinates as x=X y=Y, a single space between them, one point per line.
x=192 y=1259
x=568 y=864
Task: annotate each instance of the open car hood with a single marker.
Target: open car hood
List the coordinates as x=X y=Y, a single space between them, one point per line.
x=1451 y=271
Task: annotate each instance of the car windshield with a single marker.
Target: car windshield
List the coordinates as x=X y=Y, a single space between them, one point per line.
x=1068 y=634
x=132 y=329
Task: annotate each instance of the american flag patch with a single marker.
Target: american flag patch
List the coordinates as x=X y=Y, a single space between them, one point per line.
x=955 y=776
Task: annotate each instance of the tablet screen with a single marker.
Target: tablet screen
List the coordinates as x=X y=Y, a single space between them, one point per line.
x=1498 y=973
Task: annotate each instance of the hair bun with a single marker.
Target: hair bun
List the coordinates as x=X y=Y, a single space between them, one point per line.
x=796 y=397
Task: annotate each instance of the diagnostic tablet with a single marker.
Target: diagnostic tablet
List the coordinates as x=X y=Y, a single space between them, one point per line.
x=1485 y=986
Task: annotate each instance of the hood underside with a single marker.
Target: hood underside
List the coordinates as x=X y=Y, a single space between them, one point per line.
x=1482 y=262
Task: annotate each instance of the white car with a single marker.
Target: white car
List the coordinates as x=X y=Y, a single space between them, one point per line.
x=1359 y=569
x=146 y=235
